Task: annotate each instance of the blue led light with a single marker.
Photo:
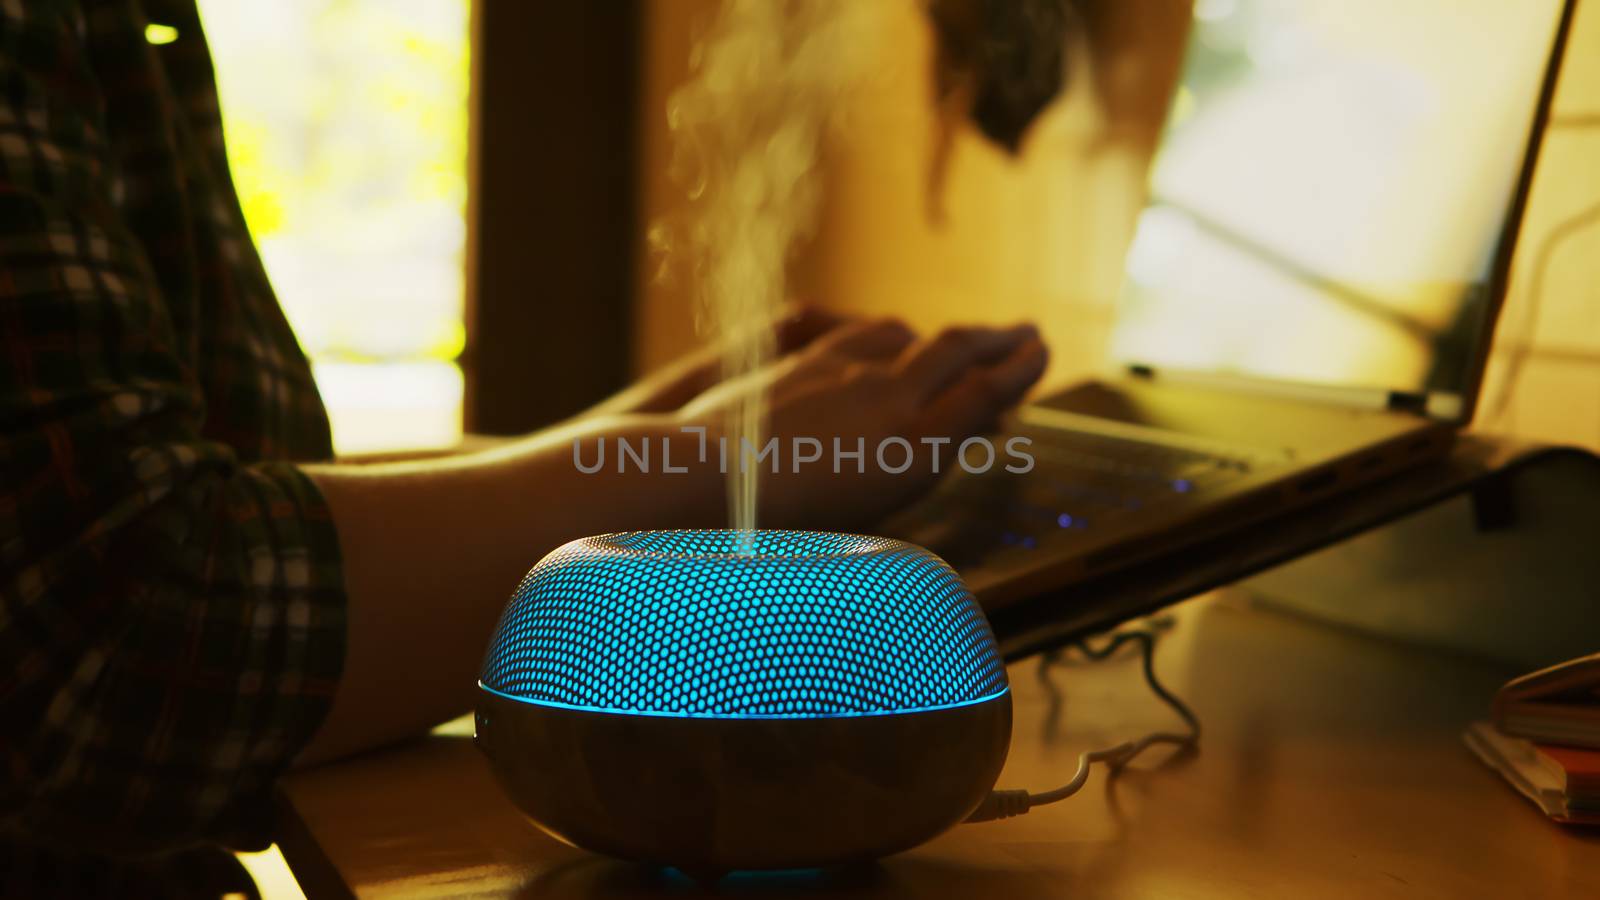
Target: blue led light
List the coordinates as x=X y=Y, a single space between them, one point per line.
x=690 y=715
x=688 y=623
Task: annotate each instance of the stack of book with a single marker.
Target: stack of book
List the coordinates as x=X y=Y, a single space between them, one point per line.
x=1545 y=739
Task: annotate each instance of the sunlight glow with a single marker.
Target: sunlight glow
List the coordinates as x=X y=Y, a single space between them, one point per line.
x=346 y=127
x=160 y=34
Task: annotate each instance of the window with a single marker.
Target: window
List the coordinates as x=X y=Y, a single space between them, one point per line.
x=346 y=124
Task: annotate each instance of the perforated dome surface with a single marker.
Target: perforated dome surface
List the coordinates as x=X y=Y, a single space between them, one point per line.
x=698 y=623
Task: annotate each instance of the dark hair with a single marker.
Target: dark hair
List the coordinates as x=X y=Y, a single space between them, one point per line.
x=1012 y=54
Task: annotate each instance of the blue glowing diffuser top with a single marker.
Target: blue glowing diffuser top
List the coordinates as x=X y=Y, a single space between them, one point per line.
x=743 y=624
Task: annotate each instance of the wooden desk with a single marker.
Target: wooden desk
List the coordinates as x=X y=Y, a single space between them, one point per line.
x=1331 y=766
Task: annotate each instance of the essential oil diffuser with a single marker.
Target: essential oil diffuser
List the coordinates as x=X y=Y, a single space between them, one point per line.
x=722 y=700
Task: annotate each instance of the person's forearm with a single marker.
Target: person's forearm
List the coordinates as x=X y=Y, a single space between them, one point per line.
x=470 y=443
x=432 y=550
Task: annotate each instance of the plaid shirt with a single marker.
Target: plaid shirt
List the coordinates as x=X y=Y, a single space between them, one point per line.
x=171 y=602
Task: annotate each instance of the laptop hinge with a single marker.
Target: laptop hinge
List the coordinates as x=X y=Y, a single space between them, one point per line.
x=1409 y=401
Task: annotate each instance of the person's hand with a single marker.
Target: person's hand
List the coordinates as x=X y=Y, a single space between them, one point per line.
x=873 y=386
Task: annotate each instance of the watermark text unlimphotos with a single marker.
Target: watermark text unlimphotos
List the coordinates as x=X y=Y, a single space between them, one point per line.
x=892 y=455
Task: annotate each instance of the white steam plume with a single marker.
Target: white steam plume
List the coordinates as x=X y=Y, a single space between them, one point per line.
x=768 y=80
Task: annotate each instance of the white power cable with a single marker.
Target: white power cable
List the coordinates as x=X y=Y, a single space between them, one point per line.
x=1003 y=804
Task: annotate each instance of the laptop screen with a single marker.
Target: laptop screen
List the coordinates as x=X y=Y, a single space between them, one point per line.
x=1331 y=188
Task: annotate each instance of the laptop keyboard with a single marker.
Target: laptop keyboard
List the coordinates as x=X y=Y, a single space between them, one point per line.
x=1080 y=483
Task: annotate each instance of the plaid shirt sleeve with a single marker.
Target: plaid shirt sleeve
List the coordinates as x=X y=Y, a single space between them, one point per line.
x=171 y=601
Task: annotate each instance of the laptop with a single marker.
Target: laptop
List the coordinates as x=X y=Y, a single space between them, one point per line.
x=1309 y=296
